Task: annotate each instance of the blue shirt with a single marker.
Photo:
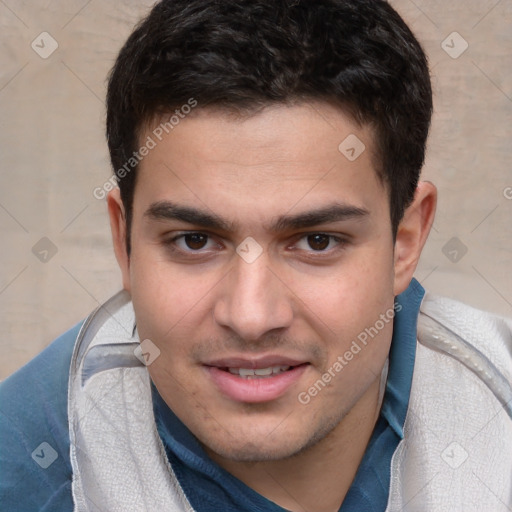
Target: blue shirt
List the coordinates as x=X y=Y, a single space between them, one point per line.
x=35 y=470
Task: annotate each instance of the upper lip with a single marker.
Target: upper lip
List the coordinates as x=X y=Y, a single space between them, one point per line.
x=255 y=362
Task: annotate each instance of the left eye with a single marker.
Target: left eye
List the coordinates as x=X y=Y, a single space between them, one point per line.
x=317 y=242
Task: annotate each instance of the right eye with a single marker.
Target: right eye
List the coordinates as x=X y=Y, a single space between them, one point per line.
x=192 y=241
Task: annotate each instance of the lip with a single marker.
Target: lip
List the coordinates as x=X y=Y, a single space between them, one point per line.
x=255 y=390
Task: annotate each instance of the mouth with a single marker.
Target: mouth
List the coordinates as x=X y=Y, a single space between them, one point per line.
x=255 y=380
x=258 y=373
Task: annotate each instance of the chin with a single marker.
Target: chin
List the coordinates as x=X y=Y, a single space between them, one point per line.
x=277 y=443
x=252 y=451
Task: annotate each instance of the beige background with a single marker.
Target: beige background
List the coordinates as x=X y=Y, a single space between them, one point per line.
x=53 y=155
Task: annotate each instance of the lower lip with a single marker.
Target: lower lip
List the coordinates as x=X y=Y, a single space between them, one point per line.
x=257 y=389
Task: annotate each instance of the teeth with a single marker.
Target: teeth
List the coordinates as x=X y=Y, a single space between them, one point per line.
x=263 y=371
x=259 y=372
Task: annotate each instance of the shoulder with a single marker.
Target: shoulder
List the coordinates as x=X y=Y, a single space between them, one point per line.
x=35 y=472
x=458 y=433
x=466 y=351
x=479 y=331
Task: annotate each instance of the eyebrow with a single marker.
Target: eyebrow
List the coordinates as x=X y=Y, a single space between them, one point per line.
x=334 y=213
x=337 y=212
x=165 y=210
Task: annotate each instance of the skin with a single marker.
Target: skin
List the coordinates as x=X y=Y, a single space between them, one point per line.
x=302 y=298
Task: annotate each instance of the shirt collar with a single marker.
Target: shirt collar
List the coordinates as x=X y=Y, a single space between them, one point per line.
x=402 y=356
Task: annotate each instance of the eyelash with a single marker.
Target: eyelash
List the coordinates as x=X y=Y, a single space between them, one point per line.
x=339 y=241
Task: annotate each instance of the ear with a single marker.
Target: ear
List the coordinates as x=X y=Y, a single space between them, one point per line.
x=118 y=227
x=412 y=234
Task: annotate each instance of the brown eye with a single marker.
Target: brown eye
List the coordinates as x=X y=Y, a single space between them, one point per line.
x=319 y=242
x=195 y=241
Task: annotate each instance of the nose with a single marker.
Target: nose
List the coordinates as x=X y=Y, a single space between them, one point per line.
x=253 y=301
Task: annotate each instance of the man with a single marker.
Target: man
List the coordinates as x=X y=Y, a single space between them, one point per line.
x=263 y=354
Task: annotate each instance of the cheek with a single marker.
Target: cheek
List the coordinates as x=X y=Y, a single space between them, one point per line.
x=352 y=295
x=345 y=311
x=173 y=305
x=159 y=298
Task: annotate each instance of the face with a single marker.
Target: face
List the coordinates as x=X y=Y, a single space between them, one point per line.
x=259 y=254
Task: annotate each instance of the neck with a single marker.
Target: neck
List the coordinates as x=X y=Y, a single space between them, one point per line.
x=326 y=469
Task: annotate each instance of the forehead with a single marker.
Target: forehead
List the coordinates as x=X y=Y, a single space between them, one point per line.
x=282 y=157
